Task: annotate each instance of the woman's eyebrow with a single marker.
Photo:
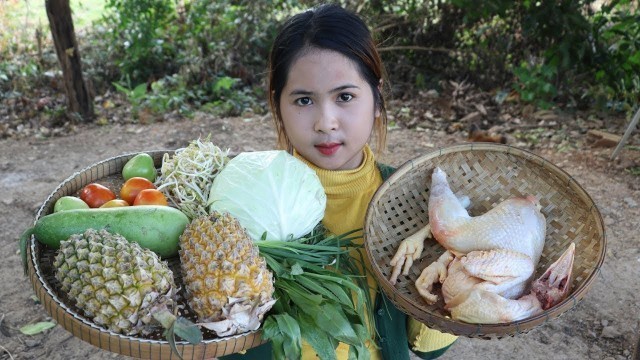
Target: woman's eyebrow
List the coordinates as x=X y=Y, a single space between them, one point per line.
x=298 y=92
x=344 y=87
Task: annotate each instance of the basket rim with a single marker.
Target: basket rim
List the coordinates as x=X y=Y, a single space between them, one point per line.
x=35 y=273
x=473 y=330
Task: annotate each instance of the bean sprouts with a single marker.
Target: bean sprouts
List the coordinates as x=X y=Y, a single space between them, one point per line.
x=187 y=177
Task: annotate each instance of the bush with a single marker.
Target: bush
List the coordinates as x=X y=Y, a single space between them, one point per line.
x=198 y=53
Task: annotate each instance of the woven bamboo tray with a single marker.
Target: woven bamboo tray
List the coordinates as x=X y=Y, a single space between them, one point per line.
x=58 y=305
x=488 y=174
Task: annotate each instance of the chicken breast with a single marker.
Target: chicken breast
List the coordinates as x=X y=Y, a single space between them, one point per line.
x=515 y=224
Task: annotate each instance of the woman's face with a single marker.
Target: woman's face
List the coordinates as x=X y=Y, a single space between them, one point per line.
x=328 y=110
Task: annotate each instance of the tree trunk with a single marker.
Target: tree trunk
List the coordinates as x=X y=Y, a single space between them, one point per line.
x=64 y=38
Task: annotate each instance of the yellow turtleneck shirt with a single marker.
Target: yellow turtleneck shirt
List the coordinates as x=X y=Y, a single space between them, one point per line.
x=348 y=195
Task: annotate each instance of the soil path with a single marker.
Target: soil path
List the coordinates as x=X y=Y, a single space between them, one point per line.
x=604 y=325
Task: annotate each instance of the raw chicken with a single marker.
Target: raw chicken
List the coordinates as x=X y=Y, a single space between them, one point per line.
x=490 y=259
x=515 y=224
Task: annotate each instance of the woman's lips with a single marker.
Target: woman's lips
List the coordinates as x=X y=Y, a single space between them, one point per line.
x=328 y=148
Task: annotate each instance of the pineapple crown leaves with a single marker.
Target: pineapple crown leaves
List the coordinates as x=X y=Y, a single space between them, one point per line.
x=184 y=329
x=174 y=325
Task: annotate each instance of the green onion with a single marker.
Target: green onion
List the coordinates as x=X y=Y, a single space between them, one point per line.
x=321 y=297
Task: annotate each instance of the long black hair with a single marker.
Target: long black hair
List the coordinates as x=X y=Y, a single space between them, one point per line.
x=328 y=27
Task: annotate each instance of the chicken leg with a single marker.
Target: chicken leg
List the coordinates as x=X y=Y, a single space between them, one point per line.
x=480 y=305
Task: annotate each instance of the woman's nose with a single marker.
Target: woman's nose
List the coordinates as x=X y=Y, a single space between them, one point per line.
x=326 y=120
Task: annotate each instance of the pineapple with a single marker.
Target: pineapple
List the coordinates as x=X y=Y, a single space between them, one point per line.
x=227 y=282
x=117 y=284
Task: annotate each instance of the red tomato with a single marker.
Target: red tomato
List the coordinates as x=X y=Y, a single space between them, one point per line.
x=133 y=186
x=150 y=197
x=95 y=195
x=115 y=203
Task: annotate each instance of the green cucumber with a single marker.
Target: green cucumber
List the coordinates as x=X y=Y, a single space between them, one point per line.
x=155 y=227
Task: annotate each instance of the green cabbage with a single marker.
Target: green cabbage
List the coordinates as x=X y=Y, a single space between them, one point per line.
x=269 y=192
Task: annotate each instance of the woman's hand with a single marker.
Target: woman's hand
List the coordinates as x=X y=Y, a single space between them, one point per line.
x=409 y=251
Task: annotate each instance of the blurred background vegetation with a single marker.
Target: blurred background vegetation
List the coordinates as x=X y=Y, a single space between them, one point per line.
x=188 y=55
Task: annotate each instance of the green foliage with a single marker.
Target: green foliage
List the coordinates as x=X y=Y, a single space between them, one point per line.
x=140 y=33
x=535 y=84
x=20 y=76
x=203 y=54
x=229 y=98
x=617 y=76
x=199 y=54
x=135 y=95
x=522 y=35
x=172 y=93
x=167 y=94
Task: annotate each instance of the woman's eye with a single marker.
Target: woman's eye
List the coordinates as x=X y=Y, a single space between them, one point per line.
x=303 y=101
x=345 y=97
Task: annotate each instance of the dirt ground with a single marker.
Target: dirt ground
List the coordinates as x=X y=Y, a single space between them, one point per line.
x=604 y=325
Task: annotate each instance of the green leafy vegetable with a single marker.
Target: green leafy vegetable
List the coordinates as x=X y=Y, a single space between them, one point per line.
x=284 y=331
x=319 y=339
x=316 y=288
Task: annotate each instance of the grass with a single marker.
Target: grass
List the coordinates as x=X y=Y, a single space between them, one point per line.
x=19 y=20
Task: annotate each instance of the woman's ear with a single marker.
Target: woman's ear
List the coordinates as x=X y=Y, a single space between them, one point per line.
x=378 y=111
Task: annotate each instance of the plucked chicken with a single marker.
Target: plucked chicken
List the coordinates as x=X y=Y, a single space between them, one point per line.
x=489 y=259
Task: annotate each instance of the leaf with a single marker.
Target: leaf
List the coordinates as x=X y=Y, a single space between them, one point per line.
x=363 y=334
x=299 y=295
x=165 y=318
x=293 y=346
x=171 y=339
x=121 y=88
x=332 y=320
x=341 y=295
x=284 y=332
x=296 y=269
x=188 y=331
x=271 y=331
x=319 y=339
x=317 y=288
x=139 y=91
x=33 y=329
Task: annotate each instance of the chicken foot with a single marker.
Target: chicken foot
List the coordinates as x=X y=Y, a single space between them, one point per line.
x=411 y=248
x=435 y=272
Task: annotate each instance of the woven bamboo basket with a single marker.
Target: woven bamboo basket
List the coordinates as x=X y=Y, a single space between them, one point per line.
x=65 y=313
x=488 y=174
